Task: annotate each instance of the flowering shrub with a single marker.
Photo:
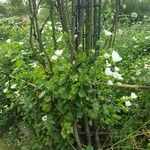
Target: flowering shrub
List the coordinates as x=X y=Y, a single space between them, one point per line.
x=86 y=87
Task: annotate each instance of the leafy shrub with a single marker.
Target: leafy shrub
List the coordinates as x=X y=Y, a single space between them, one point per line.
x=85 y=87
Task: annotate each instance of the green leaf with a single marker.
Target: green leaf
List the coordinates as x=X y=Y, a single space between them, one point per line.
x=42 y=94
x=82 y=93
x=46 y=107
x=89 y=148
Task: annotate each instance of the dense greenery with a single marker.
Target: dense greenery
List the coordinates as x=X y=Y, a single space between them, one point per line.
x=100 y=99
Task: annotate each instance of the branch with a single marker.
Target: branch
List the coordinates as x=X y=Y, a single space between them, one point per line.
x=88 y=134
x=46 y=20
x=97 y=139
x=28 y=83
x=132 y=86
x=133 y=134
x=76 y=135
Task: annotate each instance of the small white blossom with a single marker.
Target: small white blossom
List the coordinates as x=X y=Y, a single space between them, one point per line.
x=49 y=22
x=92 y=50
x=125 y=97
x=147 y=37
x=20 y=43
x=120 y=32
x=80 y=46
x=133 y=95
x=43 y=31
x=119 y=83
x=58 y=52
x=128 y=103
x=6 y=83
x=54 y=57
x=124 y=6
x=146 y=66
x=117 y=75
x=5 y=90
x=138 y=72
x=34 y=64
x=13 y=86
x=108 y=71
x=116 y=57
x=44 y=118
x=134 y=38
x=17 y=94
x=134 y=15
x=8 y=41
x=59 y=28
x=107 y=33
x=110 y=82
x=50 y=27
x=108 y=64
x=75 y=36
x=117 y=69
x=106 y=55
x=59 y=39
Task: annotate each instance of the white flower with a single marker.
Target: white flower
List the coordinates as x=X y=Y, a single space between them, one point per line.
x=59 y=39
x=110 y=82
x=5 y=90
x=59 y=28
x=108 y=33
x=34 y=64
x=108 y=71
x=116 y=57
x=50 y=27
x=13 y=86
x=6 y=106
x=125 y=97
x=6 y=83
x=119 y=83
x=108 y=64
x=134 y=38
x=54 y=57
x=80 y=46
x=117 y=69
x=8 y=41
x=124 y=6
x=20 y=43
x=92 y=50
x=3 y=1
x=58 y=52
x=75 y=36
x=117 y=75
x=17 y=94
x=106 y=55
x=133 y=95
x=134 y=15
x=138 y=72
x=147 y=37
x=146 y=66
x=44 y=118
x=120 y=32
x=49 y=22
x=128 y=103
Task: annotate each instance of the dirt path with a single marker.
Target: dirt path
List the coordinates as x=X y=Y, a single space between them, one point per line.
x=3 y=146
